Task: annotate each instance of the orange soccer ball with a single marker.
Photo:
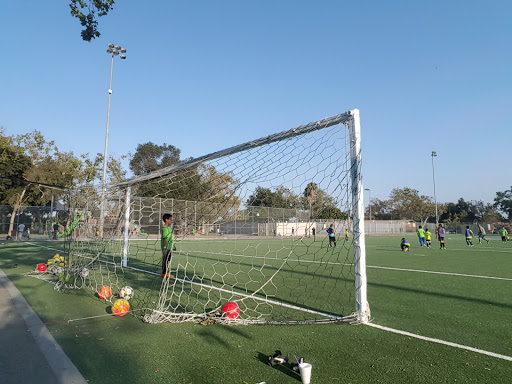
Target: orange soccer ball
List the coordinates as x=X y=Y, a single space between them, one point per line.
x=104 y=292
x=120 y=307
x=230 y=310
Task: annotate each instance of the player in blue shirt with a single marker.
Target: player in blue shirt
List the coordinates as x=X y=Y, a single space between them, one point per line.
x=332 y=237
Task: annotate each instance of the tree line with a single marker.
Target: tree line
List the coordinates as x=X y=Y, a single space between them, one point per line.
x=33 y=171
x=408 y=204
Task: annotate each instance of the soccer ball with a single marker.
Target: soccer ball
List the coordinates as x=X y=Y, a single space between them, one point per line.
x=104 y=291
x=84 y=272
x=58 y=270
x=230 y=310
x=51 y=269
x=120 y=307
x=57 y=259
x=126 y=293
x=64 y=276
x=41 y=267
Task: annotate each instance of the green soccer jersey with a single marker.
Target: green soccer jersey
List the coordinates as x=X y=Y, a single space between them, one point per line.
x=167 y=235
x=503 y=232
x=421 y=232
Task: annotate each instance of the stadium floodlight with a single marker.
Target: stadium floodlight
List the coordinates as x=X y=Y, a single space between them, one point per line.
x=369 y=201
x=434 y=154
x=113 y=51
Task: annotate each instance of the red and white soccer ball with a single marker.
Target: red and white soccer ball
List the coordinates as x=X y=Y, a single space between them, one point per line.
x=230 y=310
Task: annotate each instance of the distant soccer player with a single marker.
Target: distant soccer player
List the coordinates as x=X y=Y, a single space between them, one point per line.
x=346 y=234
x=469 y=236
x=440 y=236
x=166 y=244
x=421 y=235
x=503 y=234
x=332 y=237
x=481 y=234
x=428 y=237
x=404 y=245
x=313 y=231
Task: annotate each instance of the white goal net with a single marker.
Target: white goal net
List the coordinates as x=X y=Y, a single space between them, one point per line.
x=251 y=228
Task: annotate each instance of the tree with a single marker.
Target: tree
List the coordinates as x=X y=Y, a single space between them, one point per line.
x=13 y=163
x=93 y=10
x=200 y=182
x=280 y=197
x=381 y=209
x=309 y=194
x=149 y=157
x=406 y=203
x=503 y=202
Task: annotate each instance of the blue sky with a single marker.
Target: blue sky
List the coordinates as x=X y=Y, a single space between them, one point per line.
x=204 y=75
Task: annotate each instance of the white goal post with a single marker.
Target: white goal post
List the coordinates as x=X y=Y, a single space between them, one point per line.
x=251 y=226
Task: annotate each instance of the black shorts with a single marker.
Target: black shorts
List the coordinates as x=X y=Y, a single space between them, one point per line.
x=441 y=238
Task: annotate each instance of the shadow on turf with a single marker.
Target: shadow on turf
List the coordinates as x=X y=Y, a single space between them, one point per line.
x=284 y=368
x=210 y=334
x=440 y=294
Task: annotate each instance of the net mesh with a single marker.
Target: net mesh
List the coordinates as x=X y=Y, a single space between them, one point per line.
x=250 y=227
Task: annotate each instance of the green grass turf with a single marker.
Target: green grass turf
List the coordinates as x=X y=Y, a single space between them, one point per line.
x=467 y=310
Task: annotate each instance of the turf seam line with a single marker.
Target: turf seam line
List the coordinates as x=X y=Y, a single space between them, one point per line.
x=439 y=341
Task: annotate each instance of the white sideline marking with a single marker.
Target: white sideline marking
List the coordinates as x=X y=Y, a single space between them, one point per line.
x=439 y=341
x=42 y=246
x=440 y=273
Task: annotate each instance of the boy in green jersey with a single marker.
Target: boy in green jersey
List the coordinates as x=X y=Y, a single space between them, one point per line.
x=166 y=244
x=421 y=235
x=503 y=233
x=428 y=238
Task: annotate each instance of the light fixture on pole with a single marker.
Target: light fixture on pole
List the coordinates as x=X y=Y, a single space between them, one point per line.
x=434 y=154
x=113 y=50
x=369 y=201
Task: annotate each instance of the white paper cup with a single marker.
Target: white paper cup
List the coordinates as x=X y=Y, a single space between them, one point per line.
x=305 y=372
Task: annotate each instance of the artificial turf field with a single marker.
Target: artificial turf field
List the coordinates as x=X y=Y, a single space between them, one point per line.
x=467 y=302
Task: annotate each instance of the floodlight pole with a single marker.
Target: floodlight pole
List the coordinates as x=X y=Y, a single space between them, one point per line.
x=434 y=154
x=113 y=50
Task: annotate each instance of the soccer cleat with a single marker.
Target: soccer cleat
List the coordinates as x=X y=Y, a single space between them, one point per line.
x=277 y=358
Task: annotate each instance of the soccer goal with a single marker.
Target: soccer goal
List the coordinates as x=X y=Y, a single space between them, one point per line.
x=252 y=227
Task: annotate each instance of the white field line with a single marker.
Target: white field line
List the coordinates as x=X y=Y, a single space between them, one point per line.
x=440 y=273
x=439 y=341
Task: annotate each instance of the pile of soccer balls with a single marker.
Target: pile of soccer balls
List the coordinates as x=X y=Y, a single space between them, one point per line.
x=55 y=266
x=121 y=306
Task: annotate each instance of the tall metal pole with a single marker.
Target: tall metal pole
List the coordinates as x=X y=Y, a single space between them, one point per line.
x=369 y=201
x=434 y=154
x=105 y=153
x=113 y=51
